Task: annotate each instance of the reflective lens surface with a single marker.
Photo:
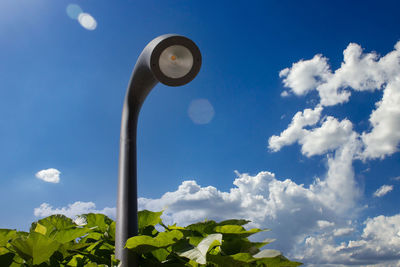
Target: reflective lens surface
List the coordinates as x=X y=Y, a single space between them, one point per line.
x=176 y=61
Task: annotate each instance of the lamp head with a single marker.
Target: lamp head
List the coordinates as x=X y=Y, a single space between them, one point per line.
x=175 y=60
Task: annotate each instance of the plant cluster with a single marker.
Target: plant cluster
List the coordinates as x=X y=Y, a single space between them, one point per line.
x=89 y=241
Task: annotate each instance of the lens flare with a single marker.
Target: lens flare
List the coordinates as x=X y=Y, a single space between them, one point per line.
x=87 y=21
x=73 y=11
x=201 y=111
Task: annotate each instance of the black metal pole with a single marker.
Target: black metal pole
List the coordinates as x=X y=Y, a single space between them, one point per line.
x=145 y=76
x=142 y=81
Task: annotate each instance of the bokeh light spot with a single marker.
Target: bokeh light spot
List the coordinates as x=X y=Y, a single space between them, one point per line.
x=73 y=11
x=201 y=111
x=87 y=21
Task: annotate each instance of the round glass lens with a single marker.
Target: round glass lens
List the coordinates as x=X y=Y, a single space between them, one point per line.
x=176 y=61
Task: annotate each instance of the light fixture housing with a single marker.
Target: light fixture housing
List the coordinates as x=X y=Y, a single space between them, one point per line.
x=178 y=71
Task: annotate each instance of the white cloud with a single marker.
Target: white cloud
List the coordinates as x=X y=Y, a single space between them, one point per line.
x=295 y=130
x=292 y=211
x=306 y=75
x=343 y=231
x=383 y=190
x=359 y=71
x=378 y=245
x=72 y=210
x=331 y=135
x=324 y=224
x=50 y=175
x=284 y=94
x=384 y=138
x=339 y=190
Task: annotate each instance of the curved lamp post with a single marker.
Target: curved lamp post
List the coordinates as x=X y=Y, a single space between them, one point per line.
x=173 y=60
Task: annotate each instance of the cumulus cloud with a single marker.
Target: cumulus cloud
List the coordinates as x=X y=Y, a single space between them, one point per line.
x=305 y=227
x=295 y=130
x=331 y=135
x=49 y=175
x=284 y=94
x=378 y=245
x=341 y=145
x=72 y=210
x=292 y=211
x=384 y=137
x=359 y=71
x=339 y=190
x=343 y=231
x=323 y=224
x=306 y=75
x=383 y=190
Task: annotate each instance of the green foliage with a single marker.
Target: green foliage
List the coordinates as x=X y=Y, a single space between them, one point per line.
x=89 y=241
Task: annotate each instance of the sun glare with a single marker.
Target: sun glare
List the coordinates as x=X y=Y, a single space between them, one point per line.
x=85 y=19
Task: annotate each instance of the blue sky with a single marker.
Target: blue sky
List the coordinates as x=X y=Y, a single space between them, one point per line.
x=227 y=145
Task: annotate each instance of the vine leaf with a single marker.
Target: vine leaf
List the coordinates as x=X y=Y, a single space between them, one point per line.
x=36 y=247
x=143 y=243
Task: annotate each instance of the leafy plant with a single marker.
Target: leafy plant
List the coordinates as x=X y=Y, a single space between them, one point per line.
x=89 y=241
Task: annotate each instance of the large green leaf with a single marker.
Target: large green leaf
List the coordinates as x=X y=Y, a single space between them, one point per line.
x=76 y=260
x=40 y=229
x=92 y=237
x=203 y=228
x=278 y=261
x=238 y=230
x=111 y=231
x=233 y=222
x=160 y=254
x=52 y=224
x=6 y=235
x=67 y=235
x=238 y=245
x=199 y=253
x=144 y=244
x=267 y=253
x=70 y=249
x=236 y=260
x=36 y=247
x=99 y=222
x=148 y=218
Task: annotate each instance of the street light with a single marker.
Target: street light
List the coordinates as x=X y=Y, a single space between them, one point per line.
x=173 y=60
